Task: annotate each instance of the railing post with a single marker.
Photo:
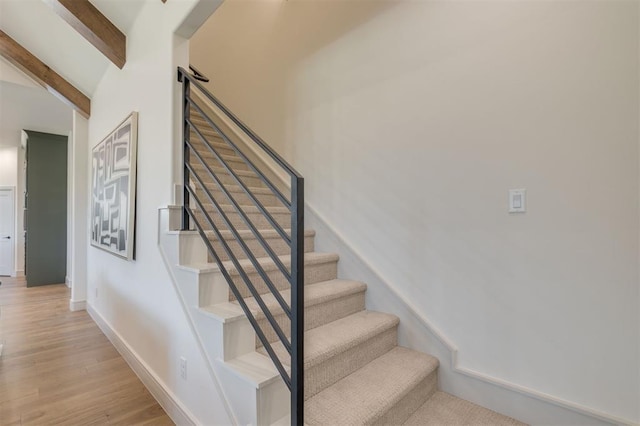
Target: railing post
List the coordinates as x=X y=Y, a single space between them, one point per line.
x=186 y=110
x=297 y=301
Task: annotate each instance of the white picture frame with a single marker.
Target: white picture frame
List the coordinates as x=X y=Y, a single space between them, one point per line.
x=113 y=190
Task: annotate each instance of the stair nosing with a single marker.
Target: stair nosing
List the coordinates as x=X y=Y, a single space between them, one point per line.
x=232 y=187
x=320 y=357
x=275 y=308
x=250 y=208
x=310 y=259
x=429 y=366
x=269 y=374
x=245 y=173
x=311 y=359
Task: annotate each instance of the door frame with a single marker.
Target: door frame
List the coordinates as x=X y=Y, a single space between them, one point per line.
x=12 y=192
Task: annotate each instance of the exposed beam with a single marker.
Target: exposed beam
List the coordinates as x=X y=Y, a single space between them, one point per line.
x=40 y=72
x=94 y=26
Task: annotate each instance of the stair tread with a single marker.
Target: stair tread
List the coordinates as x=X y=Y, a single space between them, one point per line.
x=310 y=258
x=228 y=208
x=220 y=145
x=326 y=341
x=253 y=368
x=445 y=409
x=368 y=393
x=208 y=154
x=245 y=173
x=236 y=188
x=195 y=138
x=247 y=234
x=202 y=148
x=314 y=294
x=233 y=158
x=204 y=129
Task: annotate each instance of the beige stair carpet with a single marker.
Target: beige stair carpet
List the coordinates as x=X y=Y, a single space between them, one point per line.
x=443 y=409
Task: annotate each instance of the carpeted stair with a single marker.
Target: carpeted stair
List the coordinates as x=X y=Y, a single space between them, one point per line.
x=355 y=372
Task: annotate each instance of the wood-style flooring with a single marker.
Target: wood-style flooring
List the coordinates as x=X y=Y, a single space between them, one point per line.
x=57 y=368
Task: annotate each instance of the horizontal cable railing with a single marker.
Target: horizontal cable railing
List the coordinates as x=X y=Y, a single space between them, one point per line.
x=211 y=178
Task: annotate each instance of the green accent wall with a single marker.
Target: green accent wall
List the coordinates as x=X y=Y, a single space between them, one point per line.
x=46 y=216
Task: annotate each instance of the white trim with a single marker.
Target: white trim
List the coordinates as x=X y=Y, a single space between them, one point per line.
x=179 y=414
x=20 y=273
x=77 y=305
x=453 y=349
x=67 y=281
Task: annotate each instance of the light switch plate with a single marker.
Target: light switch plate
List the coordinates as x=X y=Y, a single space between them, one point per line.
x=517 y=200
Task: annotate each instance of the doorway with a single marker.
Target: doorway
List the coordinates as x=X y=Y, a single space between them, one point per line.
x=7 y=228
x=46 y=209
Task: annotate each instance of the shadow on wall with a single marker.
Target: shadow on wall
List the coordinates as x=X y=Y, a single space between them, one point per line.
x=276 y=53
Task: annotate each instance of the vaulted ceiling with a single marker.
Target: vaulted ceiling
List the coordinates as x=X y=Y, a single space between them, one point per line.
x=34 y=25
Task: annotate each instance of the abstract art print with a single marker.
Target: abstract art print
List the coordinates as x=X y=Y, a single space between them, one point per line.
x=113 y=190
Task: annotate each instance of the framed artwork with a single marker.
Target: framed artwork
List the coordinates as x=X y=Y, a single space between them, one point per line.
x=113 y=190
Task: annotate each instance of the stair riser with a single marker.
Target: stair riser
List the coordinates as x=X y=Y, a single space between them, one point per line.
x=218 y=145
x=235 y=162
x=412 y=400
x=258 y=220
x=315 y=316
x=277 y=244
x=199 y=122
x=312 y=274
x=323 y=375
x=267 y=200
x=226 y=178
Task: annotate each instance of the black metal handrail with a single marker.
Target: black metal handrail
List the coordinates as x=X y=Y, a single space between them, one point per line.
x=195 y=185
x=198 y=75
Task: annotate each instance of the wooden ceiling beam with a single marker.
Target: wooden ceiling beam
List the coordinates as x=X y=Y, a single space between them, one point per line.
x=40 y=72
x=95 y=27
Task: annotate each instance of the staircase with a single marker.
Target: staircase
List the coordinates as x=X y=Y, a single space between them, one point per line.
x=354 y=371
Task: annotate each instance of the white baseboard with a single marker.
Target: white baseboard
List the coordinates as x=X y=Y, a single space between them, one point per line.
x=77 y=305
x=179 y=414
x=20 y=273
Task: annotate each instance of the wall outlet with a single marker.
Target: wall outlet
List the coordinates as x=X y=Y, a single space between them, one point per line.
x=183 y=368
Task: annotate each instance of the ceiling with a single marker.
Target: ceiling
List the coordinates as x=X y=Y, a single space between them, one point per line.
x=34 y=25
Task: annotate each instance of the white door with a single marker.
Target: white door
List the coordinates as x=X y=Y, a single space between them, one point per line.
x=7 y=226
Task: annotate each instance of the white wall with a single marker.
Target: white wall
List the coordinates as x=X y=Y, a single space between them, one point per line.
x=79 y=187
x=8 y=165
x=411 y=121
x=137 y=298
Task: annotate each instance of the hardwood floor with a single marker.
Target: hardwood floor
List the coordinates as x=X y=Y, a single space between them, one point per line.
x=58 y=368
